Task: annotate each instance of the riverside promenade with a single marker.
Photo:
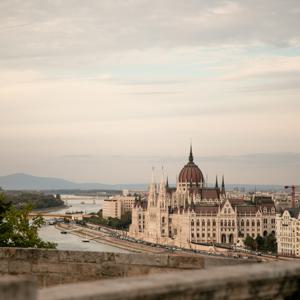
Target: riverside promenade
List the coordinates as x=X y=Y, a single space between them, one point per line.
x=106 y=238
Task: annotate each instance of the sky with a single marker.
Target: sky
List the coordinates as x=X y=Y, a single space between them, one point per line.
x=102 y=90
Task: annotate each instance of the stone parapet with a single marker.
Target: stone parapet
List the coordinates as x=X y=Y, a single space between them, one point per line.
x=17 y=288
x=51 y=267
x=260 y=281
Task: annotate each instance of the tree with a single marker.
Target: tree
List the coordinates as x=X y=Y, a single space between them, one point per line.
x=260 y=242
x=16 y=230
x=250 y=242
x=270 y=243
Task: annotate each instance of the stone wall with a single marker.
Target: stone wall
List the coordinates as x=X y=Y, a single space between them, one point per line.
x=276 y=281
x=17 y=288
x=51 y=267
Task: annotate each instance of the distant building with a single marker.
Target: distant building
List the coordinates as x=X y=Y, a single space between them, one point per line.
x=195 y=213
x=288 y=232
x=116 y=207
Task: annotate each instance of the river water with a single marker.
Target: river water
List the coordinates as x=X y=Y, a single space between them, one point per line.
x=70 y=241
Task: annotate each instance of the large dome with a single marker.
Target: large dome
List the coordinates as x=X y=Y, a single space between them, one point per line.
x=191 y=173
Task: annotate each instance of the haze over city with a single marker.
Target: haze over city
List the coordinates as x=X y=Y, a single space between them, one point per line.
x=106 y=91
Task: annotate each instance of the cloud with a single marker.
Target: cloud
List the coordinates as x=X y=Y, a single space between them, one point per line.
x=141 y=78
x=264 y=67
x=62 y=31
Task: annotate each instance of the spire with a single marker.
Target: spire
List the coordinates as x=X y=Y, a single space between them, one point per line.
x=223 y=186
x=191 y=157
x=162 y=182
x=217 y=184
x=167 y=182
x=152 y=190
x=152 y=176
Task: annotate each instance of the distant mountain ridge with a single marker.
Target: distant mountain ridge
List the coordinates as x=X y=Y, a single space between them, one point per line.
x=21 y=181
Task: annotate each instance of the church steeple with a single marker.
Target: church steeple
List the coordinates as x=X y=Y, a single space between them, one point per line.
x=191 y=157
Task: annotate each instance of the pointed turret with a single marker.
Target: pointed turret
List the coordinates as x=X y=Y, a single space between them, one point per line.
x=152 y=190
x=167 y=183
x=162 y=187
x=223 y=186
x=191 y=157
x=162 y=196
x=217 y=184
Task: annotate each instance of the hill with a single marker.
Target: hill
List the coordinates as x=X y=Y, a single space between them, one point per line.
x=21 y=181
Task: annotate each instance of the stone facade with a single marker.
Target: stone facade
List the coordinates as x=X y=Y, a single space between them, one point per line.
x=288 y=232
x=194 y=213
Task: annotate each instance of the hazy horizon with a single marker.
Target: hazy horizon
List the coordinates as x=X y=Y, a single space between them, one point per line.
x=104 y=90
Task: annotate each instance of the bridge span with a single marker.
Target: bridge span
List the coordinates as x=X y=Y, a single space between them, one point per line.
x=46 y=215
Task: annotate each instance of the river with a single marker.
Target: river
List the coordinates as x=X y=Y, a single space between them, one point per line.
x=70 y=241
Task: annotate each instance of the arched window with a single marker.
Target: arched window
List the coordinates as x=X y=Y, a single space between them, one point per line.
x=225 y=223
x=208 y=222
x=222 y=223
x=214 y=222
x=253 y=223
x=198 y=223
x=192 y=223
x=242 y=223
x=163 y=219
x=229 y=223
x=258 y=223
x=247 y=223
x=203 y=222
x=232 y=222
x=225 y=211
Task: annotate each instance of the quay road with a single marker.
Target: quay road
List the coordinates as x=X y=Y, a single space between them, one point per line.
x=105 y=237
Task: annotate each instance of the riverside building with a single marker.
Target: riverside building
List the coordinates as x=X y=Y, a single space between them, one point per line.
x=117 y=206
x=288 y=232
x=195 y=213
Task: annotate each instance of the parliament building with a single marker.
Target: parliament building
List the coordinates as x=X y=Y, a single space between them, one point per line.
x=193 y=213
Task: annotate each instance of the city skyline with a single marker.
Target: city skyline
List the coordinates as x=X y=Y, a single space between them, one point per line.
x=88 y=93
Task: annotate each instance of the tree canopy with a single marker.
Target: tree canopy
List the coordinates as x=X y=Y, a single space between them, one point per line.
x=15 y=228
x=264 y=244
x=122 y=224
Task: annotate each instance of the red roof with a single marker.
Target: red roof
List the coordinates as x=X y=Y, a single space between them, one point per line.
x=191 y=173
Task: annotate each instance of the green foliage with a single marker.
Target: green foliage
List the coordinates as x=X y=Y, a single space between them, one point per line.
x=36 y=199
x=15 y=228
x=250 y=242
x=264 y=244
x=260 y=241
x=270 y=243
x=122 y=224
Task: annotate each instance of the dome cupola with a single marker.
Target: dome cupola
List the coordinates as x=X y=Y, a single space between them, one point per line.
x=191 y=173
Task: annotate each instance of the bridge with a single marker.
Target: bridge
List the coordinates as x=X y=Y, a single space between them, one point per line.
x=46 y=215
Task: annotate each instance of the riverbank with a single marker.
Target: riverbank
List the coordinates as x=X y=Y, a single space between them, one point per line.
x=104 y=238
x=50 y=209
